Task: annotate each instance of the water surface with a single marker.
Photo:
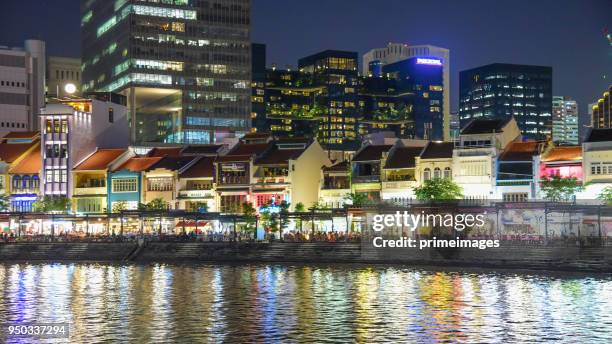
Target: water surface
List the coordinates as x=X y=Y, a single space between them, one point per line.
x=288 y=303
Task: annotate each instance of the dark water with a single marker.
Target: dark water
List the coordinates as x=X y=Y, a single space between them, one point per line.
x=279 y=303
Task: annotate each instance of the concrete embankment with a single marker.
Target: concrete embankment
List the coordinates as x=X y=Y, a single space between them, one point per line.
x=597 y=259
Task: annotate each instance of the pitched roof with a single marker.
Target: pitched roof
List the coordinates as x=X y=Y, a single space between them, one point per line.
x=438 y=150
x=21 y=135
x=202 y=168
x=521 y=151
x=342 y=166
x=403 y=157
x=202 y=149
x=164 y=151
x=99 y=160
x=138 y=164
x=172 y=163
x=276 y=156
x=249 y=148
x=485 y=125
x=564 y=153
x=371 y=152
x=599 y=135
x=30 y=164
x=10 y=152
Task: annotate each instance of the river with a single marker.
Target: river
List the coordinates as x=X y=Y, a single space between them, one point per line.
x=304 y=303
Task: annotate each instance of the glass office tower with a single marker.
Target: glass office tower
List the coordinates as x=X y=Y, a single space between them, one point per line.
x=503 y=90
x=184 y=65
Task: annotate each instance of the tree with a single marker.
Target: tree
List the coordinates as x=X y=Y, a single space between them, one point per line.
x=438 y=189
x=119 y=206
x=52 y=204
x=157 y=204
x=250 y=217
x=606 y=195
x=5 y=202
x=357 y=199
x=557 y=189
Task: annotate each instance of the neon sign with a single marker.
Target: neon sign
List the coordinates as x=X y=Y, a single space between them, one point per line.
x=427 y=61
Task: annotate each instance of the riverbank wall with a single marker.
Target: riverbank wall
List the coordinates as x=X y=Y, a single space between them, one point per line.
x=594 y=259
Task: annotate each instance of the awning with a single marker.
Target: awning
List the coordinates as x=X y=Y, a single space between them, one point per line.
x=191 y=223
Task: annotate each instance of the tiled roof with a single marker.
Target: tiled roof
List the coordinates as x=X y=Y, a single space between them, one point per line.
x=485 y=125
x=249 y=149
x=371 y=152
x=138 y=164
x=342 y=166
x=164 y=151
x=599 y=135
x=21 y=135
x=99 y=160
x=403 y=157
x=203 y=149
x=172 y=163
x=521 y=151
x=230 y=158
x=564 y=153
x=203 y=168
x=276 y=156
x=438 y=150
x=10 y=152
x=30 y=164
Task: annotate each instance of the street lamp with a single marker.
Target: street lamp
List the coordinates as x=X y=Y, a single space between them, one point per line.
x=70 y=88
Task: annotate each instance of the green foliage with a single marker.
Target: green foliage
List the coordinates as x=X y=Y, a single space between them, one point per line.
x=606 y=195
x=357 y=200
x=156 y=204
x=438 y=189
x=52 y=204
x=318 y=206
x=250 y=215
x=5 y=202
x=559 y=189
x=299 y=207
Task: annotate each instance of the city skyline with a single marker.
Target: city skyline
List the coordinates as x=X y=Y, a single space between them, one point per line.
x=578 y=53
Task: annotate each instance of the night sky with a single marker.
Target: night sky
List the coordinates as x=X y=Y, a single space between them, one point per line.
x=565 y=34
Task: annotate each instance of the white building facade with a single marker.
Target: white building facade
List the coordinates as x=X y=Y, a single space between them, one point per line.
x=22 y=86
x=565 y=121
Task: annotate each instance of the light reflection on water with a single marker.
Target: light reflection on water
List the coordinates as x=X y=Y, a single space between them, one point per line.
x=272 y=303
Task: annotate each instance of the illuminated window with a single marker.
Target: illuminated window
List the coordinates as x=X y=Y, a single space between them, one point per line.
x=125 y=184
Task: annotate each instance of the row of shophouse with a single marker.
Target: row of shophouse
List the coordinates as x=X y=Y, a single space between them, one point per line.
x=489 y=161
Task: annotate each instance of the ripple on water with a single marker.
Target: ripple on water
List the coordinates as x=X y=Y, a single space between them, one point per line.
x=280 y=303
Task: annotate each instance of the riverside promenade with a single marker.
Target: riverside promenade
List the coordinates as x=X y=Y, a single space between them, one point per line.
x=558 y=258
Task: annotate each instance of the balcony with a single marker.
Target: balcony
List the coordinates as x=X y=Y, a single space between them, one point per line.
x=273 y=180
x=196 y=193
x=403 y=184
x=233 y=180
x=367 y=179
x=79 y=191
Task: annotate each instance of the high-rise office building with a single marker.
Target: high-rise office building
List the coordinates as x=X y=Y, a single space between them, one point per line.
x=258 y=85
x=504 y=90
x=384 y=106
x=565 y=121
x=22 y=86
x=423 y=77
x=63 y=76
x=337 y=72
x=374 y=60
x=184 y=66
x=602 y=111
